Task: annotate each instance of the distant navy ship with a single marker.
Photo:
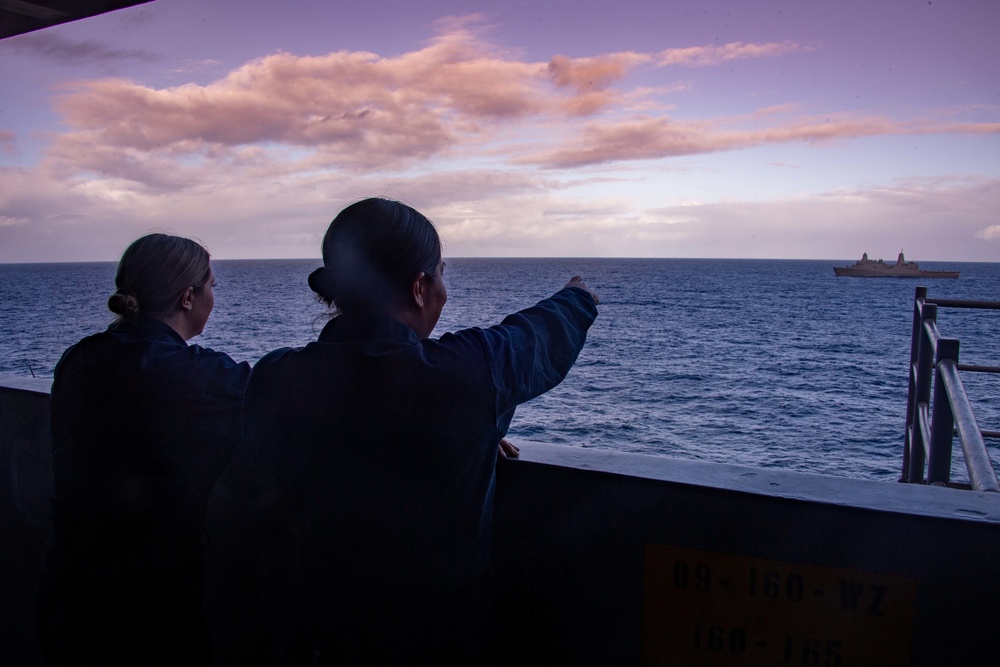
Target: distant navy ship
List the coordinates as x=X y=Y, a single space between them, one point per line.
x=869 y=268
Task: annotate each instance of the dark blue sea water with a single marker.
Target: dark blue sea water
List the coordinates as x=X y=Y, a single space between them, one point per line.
x=762 y=363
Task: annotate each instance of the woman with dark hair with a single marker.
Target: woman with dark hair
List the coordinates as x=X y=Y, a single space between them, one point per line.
x=381 y=444
x=142 y=426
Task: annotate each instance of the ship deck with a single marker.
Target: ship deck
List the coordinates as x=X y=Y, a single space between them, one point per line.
x=613 y=558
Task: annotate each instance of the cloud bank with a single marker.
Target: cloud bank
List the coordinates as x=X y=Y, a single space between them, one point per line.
x=504 y=152
x=458 y=95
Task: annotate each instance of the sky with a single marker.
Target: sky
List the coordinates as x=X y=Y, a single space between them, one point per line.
x=778 y=129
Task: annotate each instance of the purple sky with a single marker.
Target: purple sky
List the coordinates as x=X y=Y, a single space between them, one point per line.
x=704 y=128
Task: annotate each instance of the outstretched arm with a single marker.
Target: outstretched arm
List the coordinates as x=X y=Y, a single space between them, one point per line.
x=531 y=351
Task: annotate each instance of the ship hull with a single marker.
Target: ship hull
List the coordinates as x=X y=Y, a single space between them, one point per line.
x=890 y=273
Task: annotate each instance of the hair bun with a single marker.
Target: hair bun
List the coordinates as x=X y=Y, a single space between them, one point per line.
x=125 y=305
x=322 y=282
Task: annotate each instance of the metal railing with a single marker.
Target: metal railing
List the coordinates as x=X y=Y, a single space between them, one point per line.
x=933 y=420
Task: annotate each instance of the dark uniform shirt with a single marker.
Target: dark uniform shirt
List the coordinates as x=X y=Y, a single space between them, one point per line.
x=382 y=448
x=142 y=426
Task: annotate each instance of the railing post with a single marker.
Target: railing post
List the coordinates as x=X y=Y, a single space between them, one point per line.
x=943 y=420
x=918 y=302
x=921 y=373
x=982 y=476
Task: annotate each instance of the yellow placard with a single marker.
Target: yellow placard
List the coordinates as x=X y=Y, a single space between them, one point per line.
x=710 y=608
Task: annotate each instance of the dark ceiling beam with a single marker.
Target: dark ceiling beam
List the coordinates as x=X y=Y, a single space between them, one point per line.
x=20 y=16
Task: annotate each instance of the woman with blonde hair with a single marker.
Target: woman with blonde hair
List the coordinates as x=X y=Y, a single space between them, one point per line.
x=142 y=426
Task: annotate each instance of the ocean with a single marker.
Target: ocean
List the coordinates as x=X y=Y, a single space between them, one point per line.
x=763 y=363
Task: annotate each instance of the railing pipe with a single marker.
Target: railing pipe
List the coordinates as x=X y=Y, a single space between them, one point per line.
x=924 y=426
x=942 y=420
x=979 y=369
x=911 y=403
x=977 y=459
x=920 y=376
x=931 y=426
x=959 y=303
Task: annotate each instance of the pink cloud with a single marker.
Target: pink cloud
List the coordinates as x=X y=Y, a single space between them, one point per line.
x=700 y=56
x=349 y=108
x=586 y=74
x=590 y=79
x=776 y=110
x=359 y=110
x=646 y=138
x=357 y=106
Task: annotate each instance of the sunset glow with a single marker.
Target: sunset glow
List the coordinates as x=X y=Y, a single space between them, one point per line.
x=780 y=129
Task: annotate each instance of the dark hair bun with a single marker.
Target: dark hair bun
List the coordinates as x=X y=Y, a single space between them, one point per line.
x=372 y=251
x=125 y=305
x=322 y=282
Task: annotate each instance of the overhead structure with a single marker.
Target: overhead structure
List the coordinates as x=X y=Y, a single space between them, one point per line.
x=20 y=16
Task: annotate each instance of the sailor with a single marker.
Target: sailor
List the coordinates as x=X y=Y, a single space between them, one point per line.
x=381 y=444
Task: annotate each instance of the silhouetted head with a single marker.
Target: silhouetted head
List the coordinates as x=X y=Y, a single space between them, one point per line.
x=156 y=272
x=372 y=253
